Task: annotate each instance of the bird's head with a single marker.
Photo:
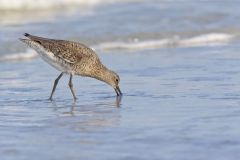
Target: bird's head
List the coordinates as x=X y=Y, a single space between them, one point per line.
x=113 y=80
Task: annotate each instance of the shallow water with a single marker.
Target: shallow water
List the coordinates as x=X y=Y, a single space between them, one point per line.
x=176 y=105
x=180 y=102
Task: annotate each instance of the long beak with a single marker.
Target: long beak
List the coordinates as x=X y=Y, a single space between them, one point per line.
x=118 y=91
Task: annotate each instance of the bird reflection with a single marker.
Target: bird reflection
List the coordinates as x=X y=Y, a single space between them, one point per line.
x=88 y=117
x=75 y=104
x=118 y=101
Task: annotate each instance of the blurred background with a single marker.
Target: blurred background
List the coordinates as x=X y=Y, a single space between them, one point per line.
x=115 y=24
x=179 y=66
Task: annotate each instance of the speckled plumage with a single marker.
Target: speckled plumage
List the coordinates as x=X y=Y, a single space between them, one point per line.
x=73 y=58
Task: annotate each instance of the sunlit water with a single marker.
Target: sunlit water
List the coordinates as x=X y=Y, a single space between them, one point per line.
x=179 y=103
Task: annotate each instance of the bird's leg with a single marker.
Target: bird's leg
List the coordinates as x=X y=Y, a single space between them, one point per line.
x=55 y=85
x=71 y=87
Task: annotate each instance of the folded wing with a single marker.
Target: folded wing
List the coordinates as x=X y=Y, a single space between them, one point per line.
x=71 y=52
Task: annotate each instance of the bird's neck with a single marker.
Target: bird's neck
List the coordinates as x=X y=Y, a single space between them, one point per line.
x=103 y=74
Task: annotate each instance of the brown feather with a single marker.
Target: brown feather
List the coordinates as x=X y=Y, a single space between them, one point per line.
x=72 y=52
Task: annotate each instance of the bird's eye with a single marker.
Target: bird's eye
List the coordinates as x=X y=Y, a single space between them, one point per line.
x=116 y=80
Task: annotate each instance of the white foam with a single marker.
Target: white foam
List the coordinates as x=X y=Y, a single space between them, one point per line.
x=29 y=54
x=206 y=39
x=44 y=4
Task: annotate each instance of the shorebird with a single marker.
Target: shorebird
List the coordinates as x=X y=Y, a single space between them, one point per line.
x=72 y=58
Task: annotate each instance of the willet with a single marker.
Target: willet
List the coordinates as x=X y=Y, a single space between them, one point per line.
x=72 y=58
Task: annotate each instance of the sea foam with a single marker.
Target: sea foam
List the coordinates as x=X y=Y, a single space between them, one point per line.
x=29 y=54
x=44 y=4
x=200 y=40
